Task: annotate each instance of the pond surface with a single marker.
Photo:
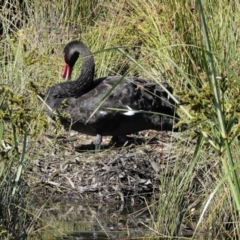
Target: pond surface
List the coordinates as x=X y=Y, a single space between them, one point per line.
x=99 y=221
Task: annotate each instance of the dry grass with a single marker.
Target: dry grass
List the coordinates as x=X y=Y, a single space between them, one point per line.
x=166 y=40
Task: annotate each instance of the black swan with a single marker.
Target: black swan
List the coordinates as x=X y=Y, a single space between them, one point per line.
x=141 y=104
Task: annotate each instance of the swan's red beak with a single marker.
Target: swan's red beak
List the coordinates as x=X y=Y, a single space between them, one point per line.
x=67 y=71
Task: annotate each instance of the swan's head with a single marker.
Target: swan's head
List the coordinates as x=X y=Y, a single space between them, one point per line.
x=70 y=54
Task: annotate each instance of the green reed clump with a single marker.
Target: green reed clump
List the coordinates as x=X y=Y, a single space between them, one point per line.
x=18 y=122
x=17 y=112
x=203 y=111
x=198 y=72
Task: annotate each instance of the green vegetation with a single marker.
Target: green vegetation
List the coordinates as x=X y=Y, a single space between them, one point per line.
x=191 y=44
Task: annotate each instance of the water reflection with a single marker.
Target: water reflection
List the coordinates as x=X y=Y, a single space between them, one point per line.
x=98 y=221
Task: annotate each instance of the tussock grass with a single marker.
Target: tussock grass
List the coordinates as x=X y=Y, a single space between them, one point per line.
x=168 y=40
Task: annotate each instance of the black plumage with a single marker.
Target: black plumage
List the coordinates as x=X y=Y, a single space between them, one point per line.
x=135 y=104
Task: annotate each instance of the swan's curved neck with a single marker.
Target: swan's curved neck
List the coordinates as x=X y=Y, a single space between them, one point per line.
x=85 y=81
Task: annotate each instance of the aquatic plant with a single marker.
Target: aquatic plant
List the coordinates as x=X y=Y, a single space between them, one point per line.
x=194 y=48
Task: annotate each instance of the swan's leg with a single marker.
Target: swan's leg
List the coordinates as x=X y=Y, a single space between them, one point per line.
x=98 y=141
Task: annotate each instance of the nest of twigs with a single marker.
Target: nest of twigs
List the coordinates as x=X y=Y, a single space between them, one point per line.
x=128 y=170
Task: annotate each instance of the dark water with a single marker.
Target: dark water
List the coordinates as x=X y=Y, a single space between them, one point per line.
x=98 y=221
x=73 y=220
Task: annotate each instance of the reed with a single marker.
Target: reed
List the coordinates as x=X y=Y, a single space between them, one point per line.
x=193 y=45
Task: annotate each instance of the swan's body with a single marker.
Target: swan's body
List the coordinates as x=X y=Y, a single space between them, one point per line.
x=136 y=99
